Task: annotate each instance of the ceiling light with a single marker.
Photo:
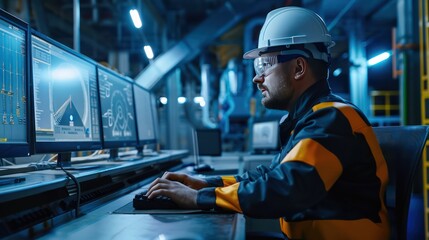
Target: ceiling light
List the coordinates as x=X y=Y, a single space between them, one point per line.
x=337 y=72
x=163 y=100
x=135 y=16
x=379 y=58
x=148 y=51
x=181 y=100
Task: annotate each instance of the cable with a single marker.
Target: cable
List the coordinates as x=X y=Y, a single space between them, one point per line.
x=76 y=182
x=73 y=178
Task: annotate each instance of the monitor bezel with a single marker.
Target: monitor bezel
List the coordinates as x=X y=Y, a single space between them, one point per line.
x=154 y=140
x=62 y=146
x=25 y=148
x=117 y=143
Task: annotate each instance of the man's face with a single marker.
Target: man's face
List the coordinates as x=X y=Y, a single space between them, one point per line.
x=276 y=85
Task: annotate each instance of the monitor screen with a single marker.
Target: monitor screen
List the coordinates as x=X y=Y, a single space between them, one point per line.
x=265 y=136
x=117 y=109
x=146 y=115
x=66 y=104
x=15 y=123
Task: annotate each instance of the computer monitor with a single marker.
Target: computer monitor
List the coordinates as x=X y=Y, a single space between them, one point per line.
x=117 y=111
x=209 y=141
x=265 y=136
x=146 y=116
x=66 y=104
x=15 y=122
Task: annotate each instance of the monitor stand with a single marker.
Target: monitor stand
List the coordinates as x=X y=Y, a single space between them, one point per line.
x=64 y=162
x=113 y=154
x=140 y=151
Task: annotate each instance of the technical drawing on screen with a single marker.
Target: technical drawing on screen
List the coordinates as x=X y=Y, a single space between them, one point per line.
x=117 y=109
x=65 y=97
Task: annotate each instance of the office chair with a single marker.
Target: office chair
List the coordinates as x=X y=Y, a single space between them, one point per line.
x=402 y=147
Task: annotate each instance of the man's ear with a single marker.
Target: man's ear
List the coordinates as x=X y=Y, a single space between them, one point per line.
x=300 y=67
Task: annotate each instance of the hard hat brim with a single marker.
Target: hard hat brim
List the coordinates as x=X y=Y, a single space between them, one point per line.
x=252 y=54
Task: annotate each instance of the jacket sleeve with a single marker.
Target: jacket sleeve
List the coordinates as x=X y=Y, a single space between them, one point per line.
x=302 y=179
x=251 y=175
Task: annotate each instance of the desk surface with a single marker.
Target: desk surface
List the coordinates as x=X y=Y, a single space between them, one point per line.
x=104 y=224
x=100 y=221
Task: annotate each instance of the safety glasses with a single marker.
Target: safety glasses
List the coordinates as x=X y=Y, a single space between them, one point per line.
x=262 y=64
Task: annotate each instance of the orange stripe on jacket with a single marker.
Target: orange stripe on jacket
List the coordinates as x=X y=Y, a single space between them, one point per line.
x=335 y=229
x=228 y=180
x=360 y=126
x=313 y=153
x=227 y=197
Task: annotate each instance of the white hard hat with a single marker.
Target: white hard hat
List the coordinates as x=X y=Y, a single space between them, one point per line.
x=289 y=26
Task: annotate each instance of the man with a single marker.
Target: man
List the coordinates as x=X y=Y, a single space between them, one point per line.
x=329 y=180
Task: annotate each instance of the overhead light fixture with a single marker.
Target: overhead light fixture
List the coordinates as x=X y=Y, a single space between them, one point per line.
x=148 y=51
x=337 y=72
x=200 y=100
x=163 y=100
x=181 y=100
x=379 y=58
x=135 y=16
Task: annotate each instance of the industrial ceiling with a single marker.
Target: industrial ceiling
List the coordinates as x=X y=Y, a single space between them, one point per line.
x=179 y=30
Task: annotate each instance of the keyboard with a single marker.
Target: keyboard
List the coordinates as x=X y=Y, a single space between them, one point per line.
x=141 y=202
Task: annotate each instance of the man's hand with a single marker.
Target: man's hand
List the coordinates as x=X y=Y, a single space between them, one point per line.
x=192 y=182
x=184 y=196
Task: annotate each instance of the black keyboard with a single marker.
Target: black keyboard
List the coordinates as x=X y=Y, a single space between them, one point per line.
x=141 y=202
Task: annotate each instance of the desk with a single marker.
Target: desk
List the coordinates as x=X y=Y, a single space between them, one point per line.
x=104 y=224
x=43 y=206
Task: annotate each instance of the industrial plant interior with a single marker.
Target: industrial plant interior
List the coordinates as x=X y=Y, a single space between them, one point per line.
x=117 y=101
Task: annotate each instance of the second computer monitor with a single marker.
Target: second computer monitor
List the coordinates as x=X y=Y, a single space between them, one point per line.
x=117 y=109
x=66 y=106
x=146 y=115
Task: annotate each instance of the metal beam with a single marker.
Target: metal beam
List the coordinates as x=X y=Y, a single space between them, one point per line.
x=191 y=45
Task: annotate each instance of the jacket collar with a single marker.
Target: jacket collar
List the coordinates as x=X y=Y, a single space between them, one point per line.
x=303 y=104
x=309 y=97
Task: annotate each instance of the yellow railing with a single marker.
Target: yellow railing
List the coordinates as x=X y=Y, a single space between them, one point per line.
x=384 y=103
x=424 y=92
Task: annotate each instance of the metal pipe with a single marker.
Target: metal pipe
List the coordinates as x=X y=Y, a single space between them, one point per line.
x=94 y=10
x=76 y=25
x=340 y=15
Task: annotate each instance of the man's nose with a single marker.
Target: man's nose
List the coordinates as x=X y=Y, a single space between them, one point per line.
x=258 y=79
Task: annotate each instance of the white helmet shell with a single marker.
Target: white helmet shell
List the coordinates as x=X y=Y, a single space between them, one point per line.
x=289 y=26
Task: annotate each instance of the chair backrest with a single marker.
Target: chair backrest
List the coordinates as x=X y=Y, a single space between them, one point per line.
x=402 y=148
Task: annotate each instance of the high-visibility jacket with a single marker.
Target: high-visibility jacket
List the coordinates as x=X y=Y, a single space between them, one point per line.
x=328 y=181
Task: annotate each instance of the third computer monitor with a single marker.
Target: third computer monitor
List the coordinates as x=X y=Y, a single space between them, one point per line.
x=117 y=109
x=146 y=115
x=66 y=104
